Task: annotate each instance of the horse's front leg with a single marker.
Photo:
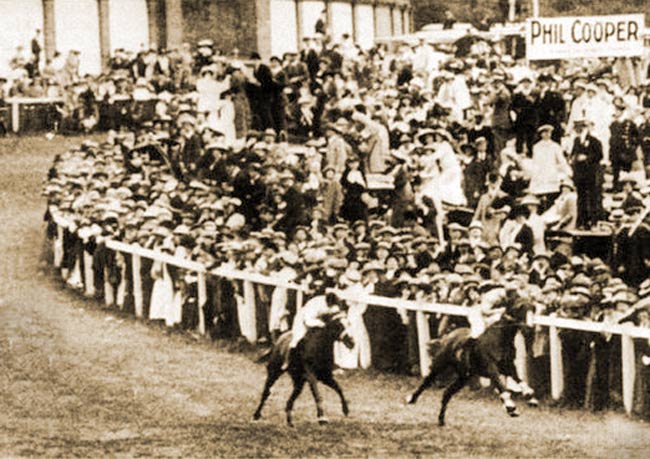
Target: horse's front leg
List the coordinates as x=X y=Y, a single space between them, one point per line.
x=457 y=385
x=492 y=372
x=313 y=385
x=298 y=384
x=331 y=382
x=509 y=369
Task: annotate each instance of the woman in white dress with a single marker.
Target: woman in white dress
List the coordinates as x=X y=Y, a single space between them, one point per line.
x=279 y=315
x=442 y=175
x=359 y=355
x=220 y=113
x=162 y=292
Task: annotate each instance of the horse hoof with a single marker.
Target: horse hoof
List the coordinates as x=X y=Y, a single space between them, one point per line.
x=323 y=420
x=410 y=400
x=441 y=422
x=257 y=417
x=533 y=402
x=513 y=413
x=346 y=411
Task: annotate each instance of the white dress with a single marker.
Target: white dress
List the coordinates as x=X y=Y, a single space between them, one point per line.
x=162 y=293
x=444 y=176
x=359 y=356
x=547 y=168
x=278 y=315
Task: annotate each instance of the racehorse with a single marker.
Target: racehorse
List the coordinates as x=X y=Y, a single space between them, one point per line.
x=490 y=355
x=311 y=361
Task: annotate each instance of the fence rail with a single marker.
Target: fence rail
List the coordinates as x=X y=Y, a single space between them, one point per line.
x=554 y=324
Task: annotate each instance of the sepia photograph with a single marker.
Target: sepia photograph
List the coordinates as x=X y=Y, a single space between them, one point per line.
x=324 y=229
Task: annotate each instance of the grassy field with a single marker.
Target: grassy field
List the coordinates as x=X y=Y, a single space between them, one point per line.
x=81 y=381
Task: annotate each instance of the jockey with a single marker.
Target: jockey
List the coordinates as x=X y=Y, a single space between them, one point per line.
x=312 y=315
x=495 y=299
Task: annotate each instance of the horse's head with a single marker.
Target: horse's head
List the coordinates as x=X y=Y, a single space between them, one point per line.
x=517 y=311
x=338 y=325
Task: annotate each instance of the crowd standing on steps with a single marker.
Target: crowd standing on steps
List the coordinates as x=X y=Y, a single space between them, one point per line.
x=369 y=172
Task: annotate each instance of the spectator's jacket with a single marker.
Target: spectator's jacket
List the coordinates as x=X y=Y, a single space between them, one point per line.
x=623 y=141
x=585 y=157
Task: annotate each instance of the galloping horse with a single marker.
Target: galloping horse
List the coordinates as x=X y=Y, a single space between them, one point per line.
x=490 y=355
x=311 y=361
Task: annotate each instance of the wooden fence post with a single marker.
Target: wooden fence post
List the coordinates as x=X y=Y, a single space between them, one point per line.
x=137 y=285
x=249 y=305
x=424 y=336
x=89 y=274
x=58 y=247
x=200 y=300
x=628 y=371
x=109 y=293
x=299 y=300
x=557 y=375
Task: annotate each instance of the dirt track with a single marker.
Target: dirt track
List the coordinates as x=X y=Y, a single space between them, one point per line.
x=80 y=381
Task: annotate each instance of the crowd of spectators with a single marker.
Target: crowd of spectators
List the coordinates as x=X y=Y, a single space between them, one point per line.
x=433 y=174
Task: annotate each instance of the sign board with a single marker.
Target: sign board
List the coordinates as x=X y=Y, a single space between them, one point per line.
x=585 y=36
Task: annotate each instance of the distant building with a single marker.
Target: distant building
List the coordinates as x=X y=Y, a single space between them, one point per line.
x=96 y=27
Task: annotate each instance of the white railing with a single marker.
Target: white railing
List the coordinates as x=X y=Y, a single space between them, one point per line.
x=627 y=331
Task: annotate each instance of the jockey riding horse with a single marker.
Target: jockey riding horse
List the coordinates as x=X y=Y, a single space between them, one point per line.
x=488 y=354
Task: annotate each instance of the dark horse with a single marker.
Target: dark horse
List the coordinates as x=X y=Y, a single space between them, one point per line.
x=488 y=356
x=311 y=361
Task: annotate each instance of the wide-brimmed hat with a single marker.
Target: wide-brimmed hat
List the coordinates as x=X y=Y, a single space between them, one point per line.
x=423 y=133
x=529 y=200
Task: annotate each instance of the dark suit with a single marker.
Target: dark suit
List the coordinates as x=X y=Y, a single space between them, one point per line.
x=525 y=106
x=190 y=154
x=294 y=212
x=587 y=176
x=552 y=110
x=261 y=98
x=623 y=143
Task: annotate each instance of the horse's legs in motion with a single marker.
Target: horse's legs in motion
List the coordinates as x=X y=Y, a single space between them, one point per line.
x=436 y=366
x=273 y=373
x=457 y=385
x=330 y=382
x=298 y=384
x=492 y=372
x=509 y=369
x=313 y=385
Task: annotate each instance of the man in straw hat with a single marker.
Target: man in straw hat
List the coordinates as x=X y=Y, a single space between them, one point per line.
x=586 y=155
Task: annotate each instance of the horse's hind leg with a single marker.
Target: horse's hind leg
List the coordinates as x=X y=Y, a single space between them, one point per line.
x=457 y=385
x=272 y=376
x=436 y=367
x=298 y=384
x=330 y=382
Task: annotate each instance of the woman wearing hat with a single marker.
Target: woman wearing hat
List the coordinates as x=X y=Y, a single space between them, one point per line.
x=338 y=150
x=442 y=175
x=354 y=185
x=563 y=213
x=548 y=165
